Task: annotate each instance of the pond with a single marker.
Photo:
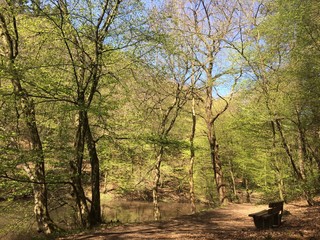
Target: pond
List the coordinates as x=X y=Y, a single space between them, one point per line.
x=136 y=211
x=17 y=219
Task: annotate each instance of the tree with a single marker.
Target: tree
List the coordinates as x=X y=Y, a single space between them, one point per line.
x=270 y=47
x=35 y=165
x=166 y=106
x=298 y=71
x=84 y=38
x=211 y=23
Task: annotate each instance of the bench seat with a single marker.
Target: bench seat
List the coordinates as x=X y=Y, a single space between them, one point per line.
x=258 y=214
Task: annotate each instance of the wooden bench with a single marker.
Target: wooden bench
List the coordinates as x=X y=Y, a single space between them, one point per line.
x=270 y=217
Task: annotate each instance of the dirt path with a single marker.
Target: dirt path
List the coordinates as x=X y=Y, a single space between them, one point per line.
x=231 y=222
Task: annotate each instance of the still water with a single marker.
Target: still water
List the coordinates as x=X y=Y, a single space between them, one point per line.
x=135 y=211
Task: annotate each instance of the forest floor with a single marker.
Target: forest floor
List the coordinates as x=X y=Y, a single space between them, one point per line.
x=231 y=222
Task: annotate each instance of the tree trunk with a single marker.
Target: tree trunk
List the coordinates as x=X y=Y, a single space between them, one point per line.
x=37 y=174
x=43 y=219
x=216 y=165
x=281 y=187
x=287 y=149
x=306 y=191
x=302 y=157
x=76 y=172
x=156 y=184
x=248 y=194
x=95 y=211
x=192 y=158
x=221 y=187
x=276 y=162
x=234 y=188
x=302 y=147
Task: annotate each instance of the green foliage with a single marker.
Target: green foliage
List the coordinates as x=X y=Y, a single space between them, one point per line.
x=11 y=190
x=137 y=89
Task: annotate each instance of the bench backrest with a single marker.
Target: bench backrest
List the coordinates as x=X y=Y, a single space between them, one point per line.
x=276 y=206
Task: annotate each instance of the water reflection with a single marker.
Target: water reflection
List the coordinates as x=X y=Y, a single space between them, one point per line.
x=135 y=211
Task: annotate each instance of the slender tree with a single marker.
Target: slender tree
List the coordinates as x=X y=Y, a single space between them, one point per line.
x=211 y=23
x=84 y=38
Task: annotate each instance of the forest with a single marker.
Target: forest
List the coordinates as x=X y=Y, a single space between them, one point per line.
x=189 y=101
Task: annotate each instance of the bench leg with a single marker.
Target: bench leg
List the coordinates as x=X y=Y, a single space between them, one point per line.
x=277 y=220
x=258 y=222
